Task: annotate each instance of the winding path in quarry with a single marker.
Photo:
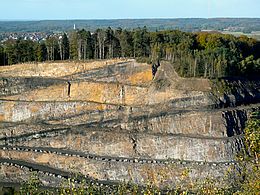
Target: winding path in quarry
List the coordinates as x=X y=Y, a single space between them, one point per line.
x=111 y=121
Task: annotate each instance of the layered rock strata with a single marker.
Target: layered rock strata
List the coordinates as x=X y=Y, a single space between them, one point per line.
x=112 y=121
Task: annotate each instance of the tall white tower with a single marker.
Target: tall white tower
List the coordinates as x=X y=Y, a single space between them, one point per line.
x=74 y=26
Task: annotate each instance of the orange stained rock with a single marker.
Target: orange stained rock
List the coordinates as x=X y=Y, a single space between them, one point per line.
x=53 y=69
x=141 y=77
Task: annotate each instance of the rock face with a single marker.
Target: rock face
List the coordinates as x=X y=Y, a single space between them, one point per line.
x=112 y=121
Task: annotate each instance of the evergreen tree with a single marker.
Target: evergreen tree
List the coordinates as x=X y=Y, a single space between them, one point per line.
x=2 y=55
x=73 y=39
x=85 y=45
x=65 y=47
x=137 y=42
x=10 y=50
x=41 y=52
x=126 y=43
x=141 y=39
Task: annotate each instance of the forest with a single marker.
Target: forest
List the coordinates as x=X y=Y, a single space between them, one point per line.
x=201 y=54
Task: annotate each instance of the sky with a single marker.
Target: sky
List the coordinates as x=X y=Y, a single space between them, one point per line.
x=121 y=9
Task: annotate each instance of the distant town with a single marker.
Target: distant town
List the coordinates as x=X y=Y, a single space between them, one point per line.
x=33 y=36
x=40 y=30
x=37 y=36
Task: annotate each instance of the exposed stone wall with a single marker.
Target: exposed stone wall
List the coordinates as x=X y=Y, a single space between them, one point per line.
x=142 y=145
x=111 y=121
x=236 y=92
x=10 y=130
x=141 y=173
x=13 y=111
x=13 y=86
x=220 y=123
x=111 y=93
x=15 y=174
x=53 y=69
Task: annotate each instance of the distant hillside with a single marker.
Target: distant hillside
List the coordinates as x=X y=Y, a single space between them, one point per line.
x=245 y=25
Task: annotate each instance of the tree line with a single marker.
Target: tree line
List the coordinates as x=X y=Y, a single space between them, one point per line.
x=209 y=55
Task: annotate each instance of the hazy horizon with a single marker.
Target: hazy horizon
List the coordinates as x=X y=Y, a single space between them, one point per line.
x=35 y=10
x=74 y=19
